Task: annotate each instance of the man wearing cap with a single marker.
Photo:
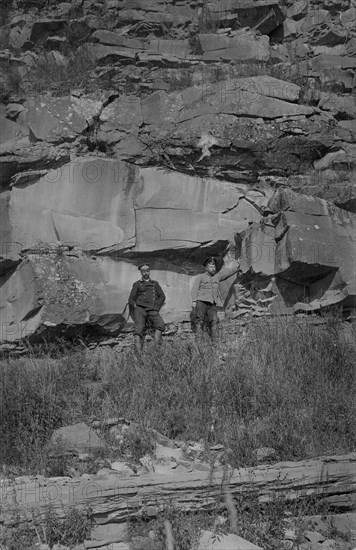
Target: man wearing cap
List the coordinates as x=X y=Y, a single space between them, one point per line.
x=206 y=297
x=145 y=300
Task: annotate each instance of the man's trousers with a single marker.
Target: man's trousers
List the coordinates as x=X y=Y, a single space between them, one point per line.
x=206 y=310
x=142 y=315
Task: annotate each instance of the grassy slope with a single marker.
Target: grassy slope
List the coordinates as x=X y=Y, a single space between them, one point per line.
x=282 y=385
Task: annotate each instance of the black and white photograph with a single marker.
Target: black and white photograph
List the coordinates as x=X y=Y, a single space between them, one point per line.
x=178 y=275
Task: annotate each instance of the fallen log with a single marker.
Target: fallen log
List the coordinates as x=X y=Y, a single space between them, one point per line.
x=330 y=479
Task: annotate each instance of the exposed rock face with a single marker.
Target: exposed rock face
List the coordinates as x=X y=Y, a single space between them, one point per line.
x=99 y=219
x=158 y=130
x=302 y=254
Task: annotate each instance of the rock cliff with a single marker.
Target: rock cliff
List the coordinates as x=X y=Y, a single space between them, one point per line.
x=167 y=130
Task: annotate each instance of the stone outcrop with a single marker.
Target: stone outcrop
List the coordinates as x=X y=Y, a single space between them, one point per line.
x=114 y=499
x=158 y=130
x=99 y=219
x=301 y=254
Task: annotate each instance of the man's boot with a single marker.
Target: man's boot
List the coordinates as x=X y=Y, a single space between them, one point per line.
x=198 y=331
x=158 y=336
x=214 y=333
x=138 y=343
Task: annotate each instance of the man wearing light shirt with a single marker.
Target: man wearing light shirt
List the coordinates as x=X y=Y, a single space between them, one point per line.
x=206 y=297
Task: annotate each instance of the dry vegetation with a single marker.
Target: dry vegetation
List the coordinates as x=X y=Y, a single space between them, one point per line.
x=284 y=385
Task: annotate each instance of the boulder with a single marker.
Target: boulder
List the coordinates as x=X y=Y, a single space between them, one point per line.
x=343 y=158
x=314 y=19
x=19 y=35
x=338 y=105
x=122 y=469
x=305 y=249
x=20 y=308
x=348 y=17
x=78 y=437
x=210 y=541
x=108 y=534
x=325 y=62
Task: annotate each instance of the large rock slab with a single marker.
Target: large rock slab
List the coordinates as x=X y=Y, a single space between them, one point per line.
x=20 y=307
x=330 y=479
x=306 y=249
x=244 y=45
x=122 y=113
x=100 y=219
x=54 y=119
x=342 y=106
x=68 y=199
x=172 y=212
x=103 y=204
x=110 y=38
x=177 y=48
x=261 y=97
x=104 y=54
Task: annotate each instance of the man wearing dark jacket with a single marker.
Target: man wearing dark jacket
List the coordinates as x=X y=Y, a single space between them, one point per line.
x=145 y=300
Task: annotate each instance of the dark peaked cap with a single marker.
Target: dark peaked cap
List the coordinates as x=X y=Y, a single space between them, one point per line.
x=142 y=265
x=210 y=260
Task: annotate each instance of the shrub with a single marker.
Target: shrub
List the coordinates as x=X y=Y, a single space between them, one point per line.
x=62 y=78
x=72 y=529
x=5 y=9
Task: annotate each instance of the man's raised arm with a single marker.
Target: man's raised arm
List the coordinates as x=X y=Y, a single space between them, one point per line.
x=226 y=272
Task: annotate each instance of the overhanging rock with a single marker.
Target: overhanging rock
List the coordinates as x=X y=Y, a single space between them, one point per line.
x=100 y=219
x=305 y=248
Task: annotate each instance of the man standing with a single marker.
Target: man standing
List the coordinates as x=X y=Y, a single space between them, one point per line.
x=145 y=300
x=206 y=298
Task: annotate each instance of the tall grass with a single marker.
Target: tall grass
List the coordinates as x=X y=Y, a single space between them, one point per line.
x=286 y=386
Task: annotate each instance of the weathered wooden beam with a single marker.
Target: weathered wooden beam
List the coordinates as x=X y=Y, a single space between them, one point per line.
x=331 y=479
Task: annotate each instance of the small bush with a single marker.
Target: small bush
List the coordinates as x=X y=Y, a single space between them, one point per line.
x=73 y=529
x=208 y=21
x=62 y=78
x=5 y=9
x=22 y=537
x=10 y=84
x=4 y=38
